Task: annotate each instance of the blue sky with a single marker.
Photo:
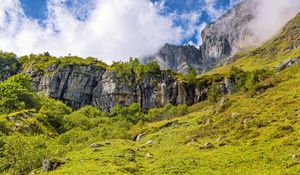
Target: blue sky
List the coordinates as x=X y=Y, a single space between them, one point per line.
x=107 y=29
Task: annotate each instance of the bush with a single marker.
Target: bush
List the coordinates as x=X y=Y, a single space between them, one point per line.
x=21 y=154
x=239 y=77
x=16 y=93
x=55 y=111
x=213 y=93
x=131 y=114
x=167 y=112
x=87 y=117
x=191 y=76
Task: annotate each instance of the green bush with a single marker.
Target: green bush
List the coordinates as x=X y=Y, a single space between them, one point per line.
x=21 y=154
x=55 y=111
x=213 y=93
x=191 y=76
x=87 y=117
x=131 y=113
x=16 y=93
x=167 y=112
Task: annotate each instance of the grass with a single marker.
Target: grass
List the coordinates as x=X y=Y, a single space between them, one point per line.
x=261 y=138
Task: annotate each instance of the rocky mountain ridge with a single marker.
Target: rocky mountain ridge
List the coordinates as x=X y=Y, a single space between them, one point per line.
x=220 y=39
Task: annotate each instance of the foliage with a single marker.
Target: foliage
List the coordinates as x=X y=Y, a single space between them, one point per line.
x=23 y=153
x=133 y=68
x=130 y=114
x=213 y=93
x=167 y=112
x=191 y=76
x=16 y=94
x=86 y=118
x=55 y=111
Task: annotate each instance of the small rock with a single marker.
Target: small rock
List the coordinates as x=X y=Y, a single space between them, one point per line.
x=295 y=156
x=139 y=137
x=245 y=119
x=148 y=155
x=49 y=165
x=207 y=145
x=150 y=142
x=46 y=165
x=221 y=138
x=95 y=145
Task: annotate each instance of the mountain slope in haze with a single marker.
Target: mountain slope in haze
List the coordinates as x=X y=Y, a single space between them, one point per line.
x=220 y=39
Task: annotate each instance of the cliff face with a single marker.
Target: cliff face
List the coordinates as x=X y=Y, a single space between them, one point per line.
x=81 y=85
x=178 y=58
x=227 y=35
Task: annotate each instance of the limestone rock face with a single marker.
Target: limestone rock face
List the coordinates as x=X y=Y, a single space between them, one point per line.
x=81 y=85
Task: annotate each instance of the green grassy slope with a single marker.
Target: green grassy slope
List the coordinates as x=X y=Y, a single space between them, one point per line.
x=261 y=135
x=251 y=134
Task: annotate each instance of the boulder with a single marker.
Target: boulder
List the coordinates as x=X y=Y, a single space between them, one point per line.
x=49 y=165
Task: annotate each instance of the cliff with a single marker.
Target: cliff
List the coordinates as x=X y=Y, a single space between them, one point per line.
x=220 y=39
x=78 y=85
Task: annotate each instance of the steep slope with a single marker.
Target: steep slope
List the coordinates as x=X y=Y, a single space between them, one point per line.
x=228 y=34
x=282 y=47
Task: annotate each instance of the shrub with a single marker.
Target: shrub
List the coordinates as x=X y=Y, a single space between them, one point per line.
x=86 y=118
x=55 y=111
x=213 y=93
x=131 y=114
x=16 y=93
x=167 y=112
x=191 y=76
x=23 y=153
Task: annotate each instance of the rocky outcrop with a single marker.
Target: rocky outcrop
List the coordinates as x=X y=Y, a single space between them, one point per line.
x=287 y=64
x=81 y=85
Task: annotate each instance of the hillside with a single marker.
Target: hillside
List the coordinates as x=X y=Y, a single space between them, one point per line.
x=70 y=115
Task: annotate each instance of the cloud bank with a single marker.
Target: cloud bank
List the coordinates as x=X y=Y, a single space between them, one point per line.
x=114 y=30
x=271 y=16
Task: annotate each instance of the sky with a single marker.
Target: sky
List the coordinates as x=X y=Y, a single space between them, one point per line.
x=113 y=30
x=110 y=30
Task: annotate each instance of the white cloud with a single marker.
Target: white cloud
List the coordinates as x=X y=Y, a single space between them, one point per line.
x=113 y=30
x=212 y=11
x=271 y=16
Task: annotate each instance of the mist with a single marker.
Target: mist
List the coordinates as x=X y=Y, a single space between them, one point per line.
x=270 y=17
